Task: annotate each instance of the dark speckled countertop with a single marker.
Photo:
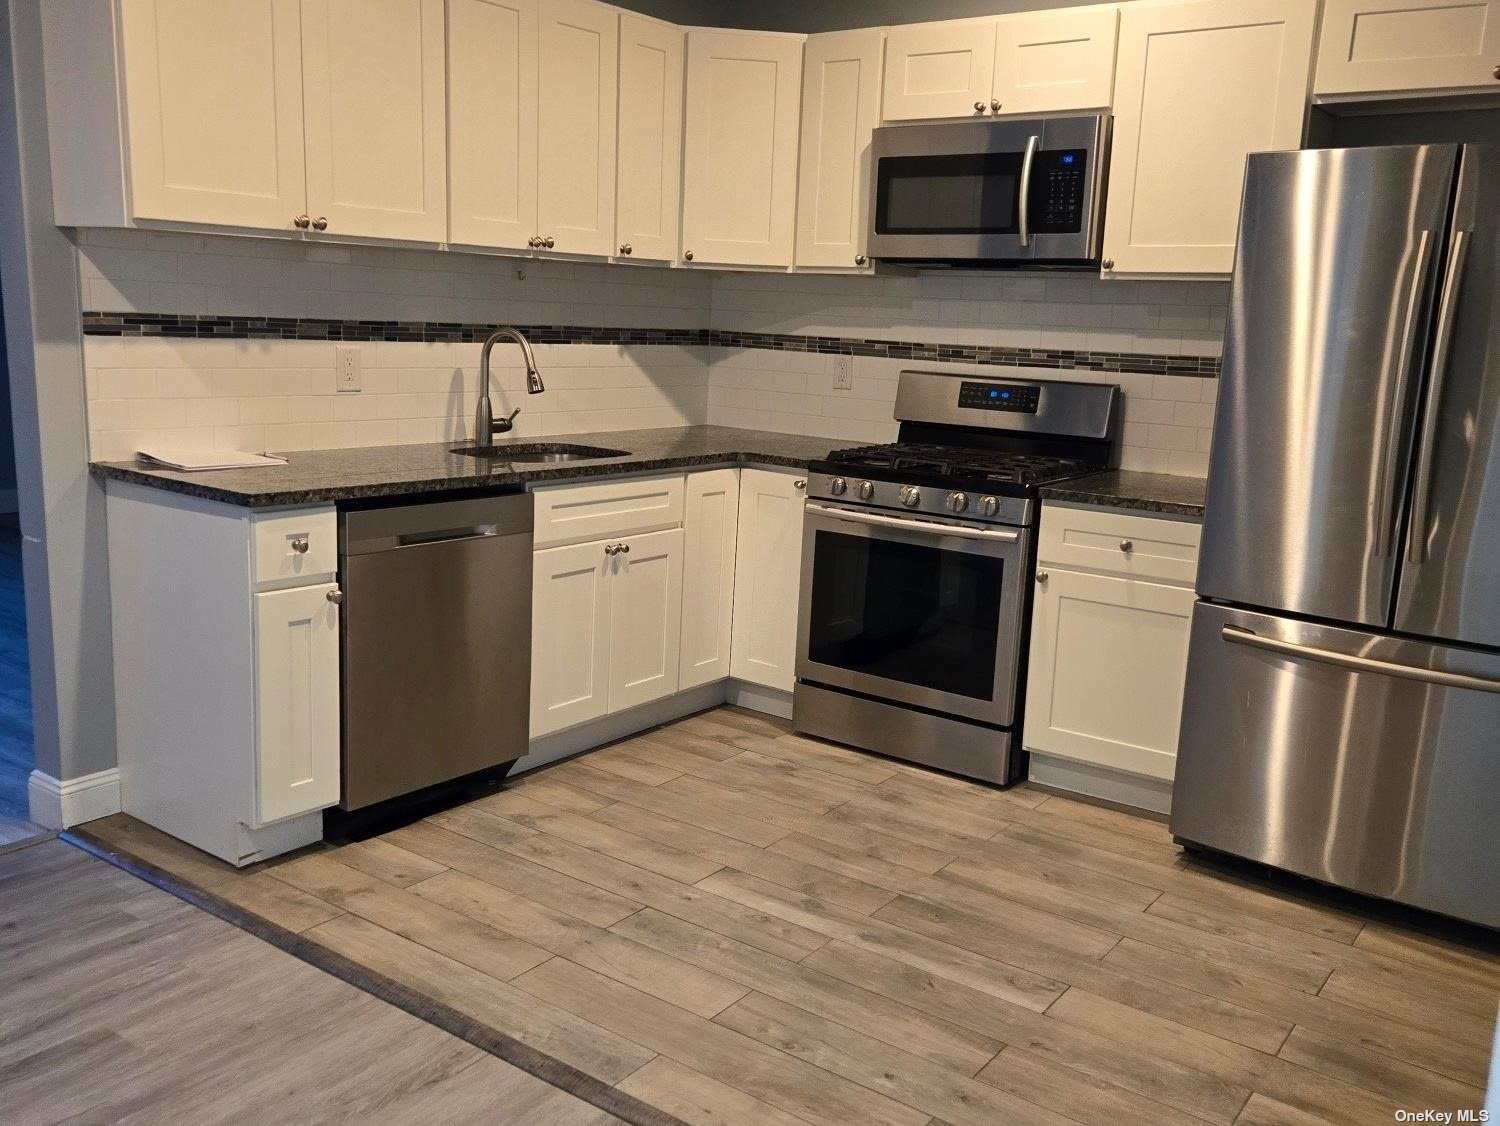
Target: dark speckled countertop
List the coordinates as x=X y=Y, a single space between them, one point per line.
x=1142 y=492
x=326 y=476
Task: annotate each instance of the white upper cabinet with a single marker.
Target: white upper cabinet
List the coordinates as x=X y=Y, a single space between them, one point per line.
x=492 y=128
x=1047 y=62
x=740 y=148
x=195 y=65
x=375 y=88
x=840 y=109
x=1198 y=87
x=1379 y=46
x=649 y=162
x=577 y=72
x=939 y=69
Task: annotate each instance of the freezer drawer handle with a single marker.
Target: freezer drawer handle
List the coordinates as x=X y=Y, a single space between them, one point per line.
x=1241 y=636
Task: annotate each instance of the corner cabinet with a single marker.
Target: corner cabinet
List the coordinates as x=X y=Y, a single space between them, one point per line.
x=767 y=578
x=1408 y=46
x=1198 y=87
x=739 y=188
x=710 y=523
x=840 y=109
x=648 y=178
x=226 y=656
x=1109 y=635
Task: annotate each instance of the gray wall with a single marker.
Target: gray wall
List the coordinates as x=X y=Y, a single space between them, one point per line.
x=830 y=15
x=7 y=442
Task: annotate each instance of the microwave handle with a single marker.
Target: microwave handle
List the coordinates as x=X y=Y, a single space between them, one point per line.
x=1024 y=210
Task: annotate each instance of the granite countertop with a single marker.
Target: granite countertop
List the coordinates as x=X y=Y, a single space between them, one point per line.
x=1143 y=492
x=325 y=476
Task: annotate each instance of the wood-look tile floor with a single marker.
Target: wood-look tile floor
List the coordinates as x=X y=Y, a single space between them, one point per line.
x=736 y=924
x=120 y=1003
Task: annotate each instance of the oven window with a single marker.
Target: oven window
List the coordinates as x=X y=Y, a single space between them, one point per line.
x=947 y=195
x=906 y=612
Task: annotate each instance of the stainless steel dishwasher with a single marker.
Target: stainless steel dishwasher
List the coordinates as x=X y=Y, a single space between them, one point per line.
x=436 y=643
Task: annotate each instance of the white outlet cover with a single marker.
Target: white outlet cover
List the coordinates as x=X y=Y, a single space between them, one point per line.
x=843 y=373
x=347 y=369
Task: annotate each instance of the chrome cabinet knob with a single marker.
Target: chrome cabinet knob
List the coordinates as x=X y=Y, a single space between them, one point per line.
x=978 y=107
x=838 y=486
x=866 y=490
x=958 y=502
x=860 y=259
x=799 y=484
x=1107 y=264
x=1496 y=72
x=301 y=222
x=626 y=248
x=336 y=597
x=1127 y=546
x=994 y=106
x=549 y=242
x=611 y=549
x=320 y=223
x=624 y=549
x=989 y=506
x=300 y=545
x=534 y=241
x=910 y=496
x=1041 y=576
x=688 y=255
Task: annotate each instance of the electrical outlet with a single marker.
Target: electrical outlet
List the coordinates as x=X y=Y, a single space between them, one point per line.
x=346 y=368
x=843 y=373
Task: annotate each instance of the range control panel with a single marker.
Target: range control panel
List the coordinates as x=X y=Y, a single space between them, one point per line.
x=1057 y=192
x=1019 y=397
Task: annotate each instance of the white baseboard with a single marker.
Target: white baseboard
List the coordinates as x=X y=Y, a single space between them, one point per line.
x=61 y=805
x=1115 y=787
x=758 y=698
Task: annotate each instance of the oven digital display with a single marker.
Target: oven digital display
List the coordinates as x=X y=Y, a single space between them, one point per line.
x=1018 y=397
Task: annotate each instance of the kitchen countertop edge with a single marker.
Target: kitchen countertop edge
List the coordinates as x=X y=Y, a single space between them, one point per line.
x=1161 y=493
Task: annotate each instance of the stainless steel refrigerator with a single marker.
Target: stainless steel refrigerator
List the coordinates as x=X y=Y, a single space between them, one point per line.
x=1342 y=710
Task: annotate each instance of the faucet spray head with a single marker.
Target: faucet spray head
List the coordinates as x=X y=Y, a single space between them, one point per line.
x=534 y=385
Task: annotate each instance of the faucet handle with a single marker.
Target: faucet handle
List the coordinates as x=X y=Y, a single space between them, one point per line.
x=502 y=425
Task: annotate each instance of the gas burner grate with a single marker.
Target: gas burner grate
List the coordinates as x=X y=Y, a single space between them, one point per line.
x=957 y=462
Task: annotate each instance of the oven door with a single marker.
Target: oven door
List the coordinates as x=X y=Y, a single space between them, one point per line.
x=916 y=611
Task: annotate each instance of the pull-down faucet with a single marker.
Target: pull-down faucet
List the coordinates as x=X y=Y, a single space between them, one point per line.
x=486 y=426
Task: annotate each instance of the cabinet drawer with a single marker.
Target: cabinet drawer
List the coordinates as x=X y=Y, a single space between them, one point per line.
x=294 y=545
x=579 y=513
x=1101 y=540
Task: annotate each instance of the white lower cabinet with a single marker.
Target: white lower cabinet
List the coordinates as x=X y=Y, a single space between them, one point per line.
x=767 y=577
x=1109 y=643
x=645 y=612
x=710 y=523
x=569 y=636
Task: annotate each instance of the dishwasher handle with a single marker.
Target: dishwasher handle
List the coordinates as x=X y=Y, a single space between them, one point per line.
x=450 y=535
x=428 y=523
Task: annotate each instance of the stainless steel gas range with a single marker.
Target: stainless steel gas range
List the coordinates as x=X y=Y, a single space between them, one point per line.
x=917 y=567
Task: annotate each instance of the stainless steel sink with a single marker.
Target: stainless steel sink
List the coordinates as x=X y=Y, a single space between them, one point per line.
x=540 y=451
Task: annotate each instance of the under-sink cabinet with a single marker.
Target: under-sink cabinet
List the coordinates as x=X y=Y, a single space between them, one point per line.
x=1109 y=636
x=226 y=658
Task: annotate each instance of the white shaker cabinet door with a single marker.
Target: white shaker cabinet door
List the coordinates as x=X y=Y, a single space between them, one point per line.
x=939 y=70
x=296 y=701
x=739 y=194
x=213 y=102
x=570 y=622
x=375 y=94
x=492 y=110
x=578 y=84
x=1199 y=86
x=1108 y=664
x=840 y=109
x=648 y=178
x=768 y=575
x=1050 y=62
x=645 y=618
x=710 y=524
x=1385 y=46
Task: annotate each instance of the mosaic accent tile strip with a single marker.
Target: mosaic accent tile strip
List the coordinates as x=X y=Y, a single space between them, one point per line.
x=198 y=327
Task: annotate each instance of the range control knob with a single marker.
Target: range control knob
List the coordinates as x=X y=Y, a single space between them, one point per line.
x=911 y=496
x=838 y=486
x=957 y=502
x=989 y=506
x=866 y=490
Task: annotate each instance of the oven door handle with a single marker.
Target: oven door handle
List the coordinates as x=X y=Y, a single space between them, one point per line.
x=914 y=524
x=1023 y=212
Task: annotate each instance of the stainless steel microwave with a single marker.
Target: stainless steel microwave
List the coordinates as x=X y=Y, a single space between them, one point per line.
x=1027 y=193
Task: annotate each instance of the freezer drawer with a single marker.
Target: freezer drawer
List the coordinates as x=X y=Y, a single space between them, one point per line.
x=1337 y=755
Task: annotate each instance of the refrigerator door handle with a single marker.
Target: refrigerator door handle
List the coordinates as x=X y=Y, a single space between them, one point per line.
x=1421 y=497
x=1239 y=635
x=1385 y=524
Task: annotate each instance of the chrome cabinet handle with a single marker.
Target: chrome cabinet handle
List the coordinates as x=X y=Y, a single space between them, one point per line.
x=626 y=248
x=301 y=222
x=300 y=545
x=994 y=105
x=688 y=254
x=320 y=223
x=1401 y=365
x=1023 y=221
x=1127 y=546
x=1421 y=493
x=1239 y=635
x=336 y=597
x=860 y=259
x=978 y=107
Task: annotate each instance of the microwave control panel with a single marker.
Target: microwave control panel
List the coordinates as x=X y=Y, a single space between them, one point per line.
x=1018 y=397
x=1059 y=181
